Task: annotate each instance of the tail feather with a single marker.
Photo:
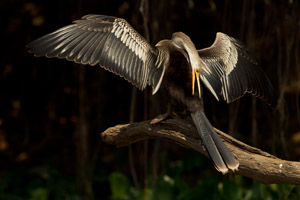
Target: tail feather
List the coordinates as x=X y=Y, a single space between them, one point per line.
x=223 y=158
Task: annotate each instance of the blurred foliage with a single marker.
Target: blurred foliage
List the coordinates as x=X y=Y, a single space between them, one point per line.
x=207 y=187
x=177 y=182
x=41 y=155
x=39 y=183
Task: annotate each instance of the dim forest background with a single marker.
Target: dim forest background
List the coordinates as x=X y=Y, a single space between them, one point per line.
x=52 y=111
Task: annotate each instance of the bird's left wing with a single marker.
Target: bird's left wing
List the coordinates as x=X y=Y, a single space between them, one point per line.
x=230 y=72
x=108 y=41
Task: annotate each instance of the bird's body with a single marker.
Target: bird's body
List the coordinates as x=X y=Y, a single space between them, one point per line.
x=177 y=83
x=176 y=86
x=173 y=66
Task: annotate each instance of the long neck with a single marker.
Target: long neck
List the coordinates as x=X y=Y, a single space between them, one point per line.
x=184 y=42
x=187 y=45
x=193 y=55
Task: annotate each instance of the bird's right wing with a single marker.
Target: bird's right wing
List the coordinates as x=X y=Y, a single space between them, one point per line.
x=230 y=71
x=108 y=41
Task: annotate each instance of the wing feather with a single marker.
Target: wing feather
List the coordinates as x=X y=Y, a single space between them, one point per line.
x=108 y=41
x=89 y=49
x=70 y=51
x=61 y=46
x=96 y=56
x=230 y=71
x=81 y=48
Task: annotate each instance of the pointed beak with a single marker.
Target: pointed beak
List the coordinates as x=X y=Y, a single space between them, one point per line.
x=196 y=73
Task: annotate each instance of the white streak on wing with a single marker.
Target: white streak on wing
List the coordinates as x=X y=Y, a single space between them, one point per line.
x=143 y=56
x=159 y=82
x=219 y=68
x=128 y=39
x=225 y=89
x=208 y=85
x=119 y=32
x=146 y=71
x=123 y=36
x=132 y=46
x=131 y=43
x=205 y=69
x=159 y=59
x=125 y=39
x=137 y=49
x=231 y=60
x=114 y=29
x=140 y=52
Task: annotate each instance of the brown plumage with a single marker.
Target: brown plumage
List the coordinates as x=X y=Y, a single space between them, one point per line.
x=225 y=68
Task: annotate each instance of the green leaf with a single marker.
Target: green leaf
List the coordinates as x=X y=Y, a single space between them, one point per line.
x=39 y=194
x=146 y=194
x=232 y=191
x=163 y=189
x=119 y=185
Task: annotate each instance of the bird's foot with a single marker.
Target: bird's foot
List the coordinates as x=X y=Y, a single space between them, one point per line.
x=160 y=118
x=180 y=114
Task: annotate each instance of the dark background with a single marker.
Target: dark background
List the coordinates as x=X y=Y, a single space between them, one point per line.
x=52 y=111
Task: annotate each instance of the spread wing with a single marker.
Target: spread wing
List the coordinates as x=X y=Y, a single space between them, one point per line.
x=231 y=72
x=108 y=41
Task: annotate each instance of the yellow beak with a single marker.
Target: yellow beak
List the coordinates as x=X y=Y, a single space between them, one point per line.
x=196 y=73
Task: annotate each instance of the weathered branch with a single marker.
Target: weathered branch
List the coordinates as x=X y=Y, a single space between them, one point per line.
x=254 y=163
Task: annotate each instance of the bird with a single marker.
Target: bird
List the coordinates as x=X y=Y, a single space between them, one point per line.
x=173 y=66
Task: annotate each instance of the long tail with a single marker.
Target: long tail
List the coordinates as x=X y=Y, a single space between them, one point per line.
x=223 y=158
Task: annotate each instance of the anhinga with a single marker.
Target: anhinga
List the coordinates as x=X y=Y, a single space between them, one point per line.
x=225 y=68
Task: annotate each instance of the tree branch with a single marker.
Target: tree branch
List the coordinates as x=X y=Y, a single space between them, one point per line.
x=254 y=163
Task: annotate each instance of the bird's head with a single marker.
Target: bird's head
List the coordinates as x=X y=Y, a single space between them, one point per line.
x=182 y=41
